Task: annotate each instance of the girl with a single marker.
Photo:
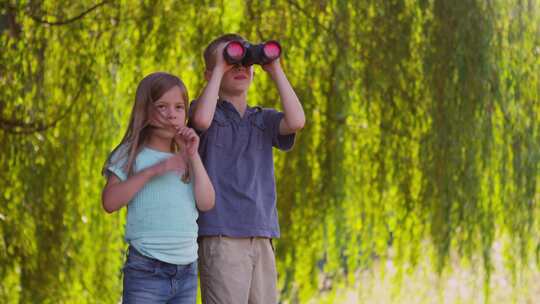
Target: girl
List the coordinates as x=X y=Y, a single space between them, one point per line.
x=157 y=172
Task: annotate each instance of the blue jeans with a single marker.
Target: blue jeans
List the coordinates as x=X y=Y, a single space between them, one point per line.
x=148 y=280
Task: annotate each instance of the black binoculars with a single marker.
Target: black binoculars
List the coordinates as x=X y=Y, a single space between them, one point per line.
x=246 y=54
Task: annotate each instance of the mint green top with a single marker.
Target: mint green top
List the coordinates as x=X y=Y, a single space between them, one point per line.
x=162 y=216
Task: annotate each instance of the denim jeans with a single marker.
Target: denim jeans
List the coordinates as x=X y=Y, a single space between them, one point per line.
x=148 y=280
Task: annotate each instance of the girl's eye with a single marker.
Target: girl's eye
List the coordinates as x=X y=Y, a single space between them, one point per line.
x=161 y=107
x=179 y=108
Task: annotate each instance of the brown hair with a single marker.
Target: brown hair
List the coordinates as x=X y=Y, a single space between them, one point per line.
x=209 y=57
x=150 y=89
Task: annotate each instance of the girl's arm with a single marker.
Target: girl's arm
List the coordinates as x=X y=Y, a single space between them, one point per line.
x=117 y=193
x=202 y=186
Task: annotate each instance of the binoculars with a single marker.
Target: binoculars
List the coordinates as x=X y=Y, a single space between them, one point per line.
x=246 y=54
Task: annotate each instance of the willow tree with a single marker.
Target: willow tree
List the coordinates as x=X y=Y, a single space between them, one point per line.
x=422 y=125
x=68 y=75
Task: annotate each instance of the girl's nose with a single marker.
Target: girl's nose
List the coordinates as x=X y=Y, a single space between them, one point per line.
x=170 y=114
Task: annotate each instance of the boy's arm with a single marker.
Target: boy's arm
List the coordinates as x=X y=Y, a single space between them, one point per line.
x=205 y=107
x=202 y=187
x=118 y=193
x=294 y=118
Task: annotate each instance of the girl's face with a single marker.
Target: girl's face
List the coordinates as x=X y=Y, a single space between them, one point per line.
x=171 y=106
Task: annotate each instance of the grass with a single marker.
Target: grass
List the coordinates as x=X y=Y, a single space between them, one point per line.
x=462 y=283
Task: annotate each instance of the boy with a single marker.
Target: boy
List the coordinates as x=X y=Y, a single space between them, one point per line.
x=236 y=257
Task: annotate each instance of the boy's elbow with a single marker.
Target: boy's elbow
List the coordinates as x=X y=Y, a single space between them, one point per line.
x=300 y=125
x=200 y=122
x=209 y=203
x=212 y=203
x=297 y=125
x=207 y=206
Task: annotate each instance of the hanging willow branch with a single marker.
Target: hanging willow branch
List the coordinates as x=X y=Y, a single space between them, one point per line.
x=68 y=20
x=18 y=126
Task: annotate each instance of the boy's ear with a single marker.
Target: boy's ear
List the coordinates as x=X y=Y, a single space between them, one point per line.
x=207 y=75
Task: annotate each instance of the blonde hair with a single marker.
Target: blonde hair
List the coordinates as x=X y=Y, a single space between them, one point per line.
x=149 y=90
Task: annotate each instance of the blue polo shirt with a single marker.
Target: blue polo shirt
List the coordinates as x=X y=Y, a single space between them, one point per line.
x=237 y=154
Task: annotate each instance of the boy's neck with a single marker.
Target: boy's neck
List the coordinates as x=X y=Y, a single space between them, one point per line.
x=239 y=101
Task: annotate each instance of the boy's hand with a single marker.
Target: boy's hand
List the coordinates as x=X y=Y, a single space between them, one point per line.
x=220 y=64
x=273 y=67
x=188 y=139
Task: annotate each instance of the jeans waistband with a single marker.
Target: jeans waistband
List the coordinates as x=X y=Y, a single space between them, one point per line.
x=132 y=251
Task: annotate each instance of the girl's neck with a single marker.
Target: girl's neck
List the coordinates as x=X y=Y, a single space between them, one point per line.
x=239 y=101
x=159 y=143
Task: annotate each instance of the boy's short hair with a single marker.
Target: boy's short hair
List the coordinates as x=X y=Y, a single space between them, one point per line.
x=210 y=49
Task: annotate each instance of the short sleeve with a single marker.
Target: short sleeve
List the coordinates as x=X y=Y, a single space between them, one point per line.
x=116 y=164
x=272 y=119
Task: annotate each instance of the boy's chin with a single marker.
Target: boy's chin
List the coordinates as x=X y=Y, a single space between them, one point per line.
x=236 y=90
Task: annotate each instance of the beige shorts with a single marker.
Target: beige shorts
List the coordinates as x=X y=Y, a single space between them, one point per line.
x=237 y=270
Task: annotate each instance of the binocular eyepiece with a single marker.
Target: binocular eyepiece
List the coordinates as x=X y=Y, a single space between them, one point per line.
x=246 y=54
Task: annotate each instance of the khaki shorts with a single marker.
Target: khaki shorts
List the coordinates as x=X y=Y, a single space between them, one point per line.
x=237 y=270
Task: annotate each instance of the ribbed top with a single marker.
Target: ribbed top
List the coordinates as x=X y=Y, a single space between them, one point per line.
x=162 y=217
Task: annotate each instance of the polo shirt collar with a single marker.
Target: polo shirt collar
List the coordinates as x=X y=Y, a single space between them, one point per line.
x=231 y=111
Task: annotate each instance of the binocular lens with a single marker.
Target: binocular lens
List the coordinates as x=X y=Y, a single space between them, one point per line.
x=246 y=54
x=272 y=50
x=235 y=50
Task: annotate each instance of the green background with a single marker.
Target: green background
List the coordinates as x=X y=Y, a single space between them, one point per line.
x=421 y=148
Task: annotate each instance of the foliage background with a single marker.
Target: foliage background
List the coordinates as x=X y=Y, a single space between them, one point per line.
x=422 y=137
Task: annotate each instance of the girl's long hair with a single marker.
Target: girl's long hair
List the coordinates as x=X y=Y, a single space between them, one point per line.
x=150 y=89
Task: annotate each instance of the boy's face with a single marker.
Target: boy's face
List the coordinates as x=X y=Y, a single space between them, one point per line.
x=237 y=80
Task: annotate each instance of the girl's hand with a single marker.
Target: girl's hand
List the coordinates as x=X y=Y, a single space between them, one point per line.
x=187 y=138
x=174 y=163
